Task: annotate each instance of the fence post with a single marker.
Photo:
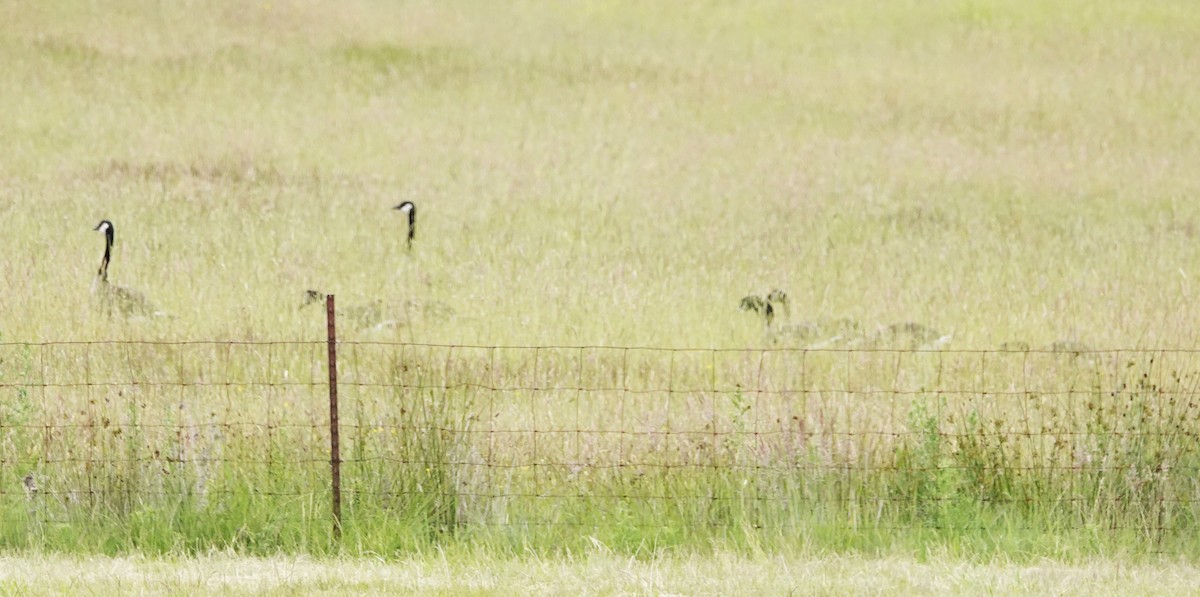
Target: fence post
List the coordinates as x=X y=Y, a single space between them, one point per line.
x=335 y=459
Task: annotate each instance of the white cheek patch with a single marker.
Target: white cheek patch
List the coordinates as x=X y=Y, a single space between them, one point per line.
x=103 y=227
x=406 y=207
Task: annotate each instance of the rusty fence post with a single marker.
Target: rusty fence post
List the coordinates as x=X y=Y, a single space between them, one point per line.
x=335 y=458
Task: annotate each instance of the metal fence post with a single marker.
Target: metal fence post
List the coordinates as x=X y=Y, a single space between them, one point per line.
x=335 y=459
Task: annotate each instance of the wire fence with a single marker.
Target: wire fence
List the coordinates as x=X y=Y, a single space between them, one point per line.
x=591 y=436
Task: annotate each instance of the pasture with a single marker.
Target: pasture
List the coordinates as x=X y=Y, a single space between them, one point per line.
x=590 y=176
x=591 y=573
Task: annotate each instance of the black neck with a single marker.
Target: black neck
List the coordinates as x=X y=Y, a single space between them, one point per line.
x=412 y=224
x=108 y=243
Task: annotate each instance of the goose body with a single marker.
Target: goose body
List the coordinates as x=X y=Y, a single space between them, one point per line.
x=908 y=335
x=362 y=316
x=811 y=334
x=380 y=315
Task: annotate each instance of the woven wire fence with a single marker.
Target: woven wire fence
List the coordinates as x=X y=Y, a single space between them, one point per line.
x=517 y=437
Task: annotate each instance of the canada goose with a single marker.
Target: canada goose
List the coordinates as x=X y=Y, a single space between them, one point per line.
x=1067 y=346
x=126 y=300
x=358 y=316
x=779 y=297
x=765 y=307
x=411 y=209
x=310 y=297
x=1070 y=346
x=378 y=314
x=910 y=335
x=1015 y=346
x=1077 y=350
x=756 y=303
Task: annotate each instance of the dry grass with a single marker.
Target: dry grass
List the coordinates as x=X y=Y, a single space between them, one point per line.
x=597 y=573
x=603 y=173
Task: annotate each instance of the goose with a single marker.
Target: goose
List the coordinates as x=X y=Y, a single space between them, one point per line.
x=1070 y=346
x=756 y=304
x=368 y=315
x=411 y=210
x=127 y=301
x=379 y=315
x=1015 y=346
x=1077 y=350
x=779 y=297
x=907 y=335
x=826 y=334
x=31 y=488
x=765 y=307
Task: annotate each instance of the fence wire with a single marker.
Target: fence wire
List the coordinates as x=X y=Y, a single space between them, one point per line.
x=587 y=436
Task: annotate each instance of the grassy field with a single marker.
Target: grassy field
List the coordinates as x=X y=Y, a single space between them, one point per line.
x=593 y=573
x=606 y=174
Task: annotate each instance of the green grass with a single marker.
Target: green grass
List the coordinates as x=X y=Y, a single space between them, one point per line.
x=603 y=174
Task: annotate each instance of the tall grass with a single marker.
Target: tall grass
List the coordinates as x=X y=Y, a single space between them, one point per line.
x=601 y=174
x=557 y=449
